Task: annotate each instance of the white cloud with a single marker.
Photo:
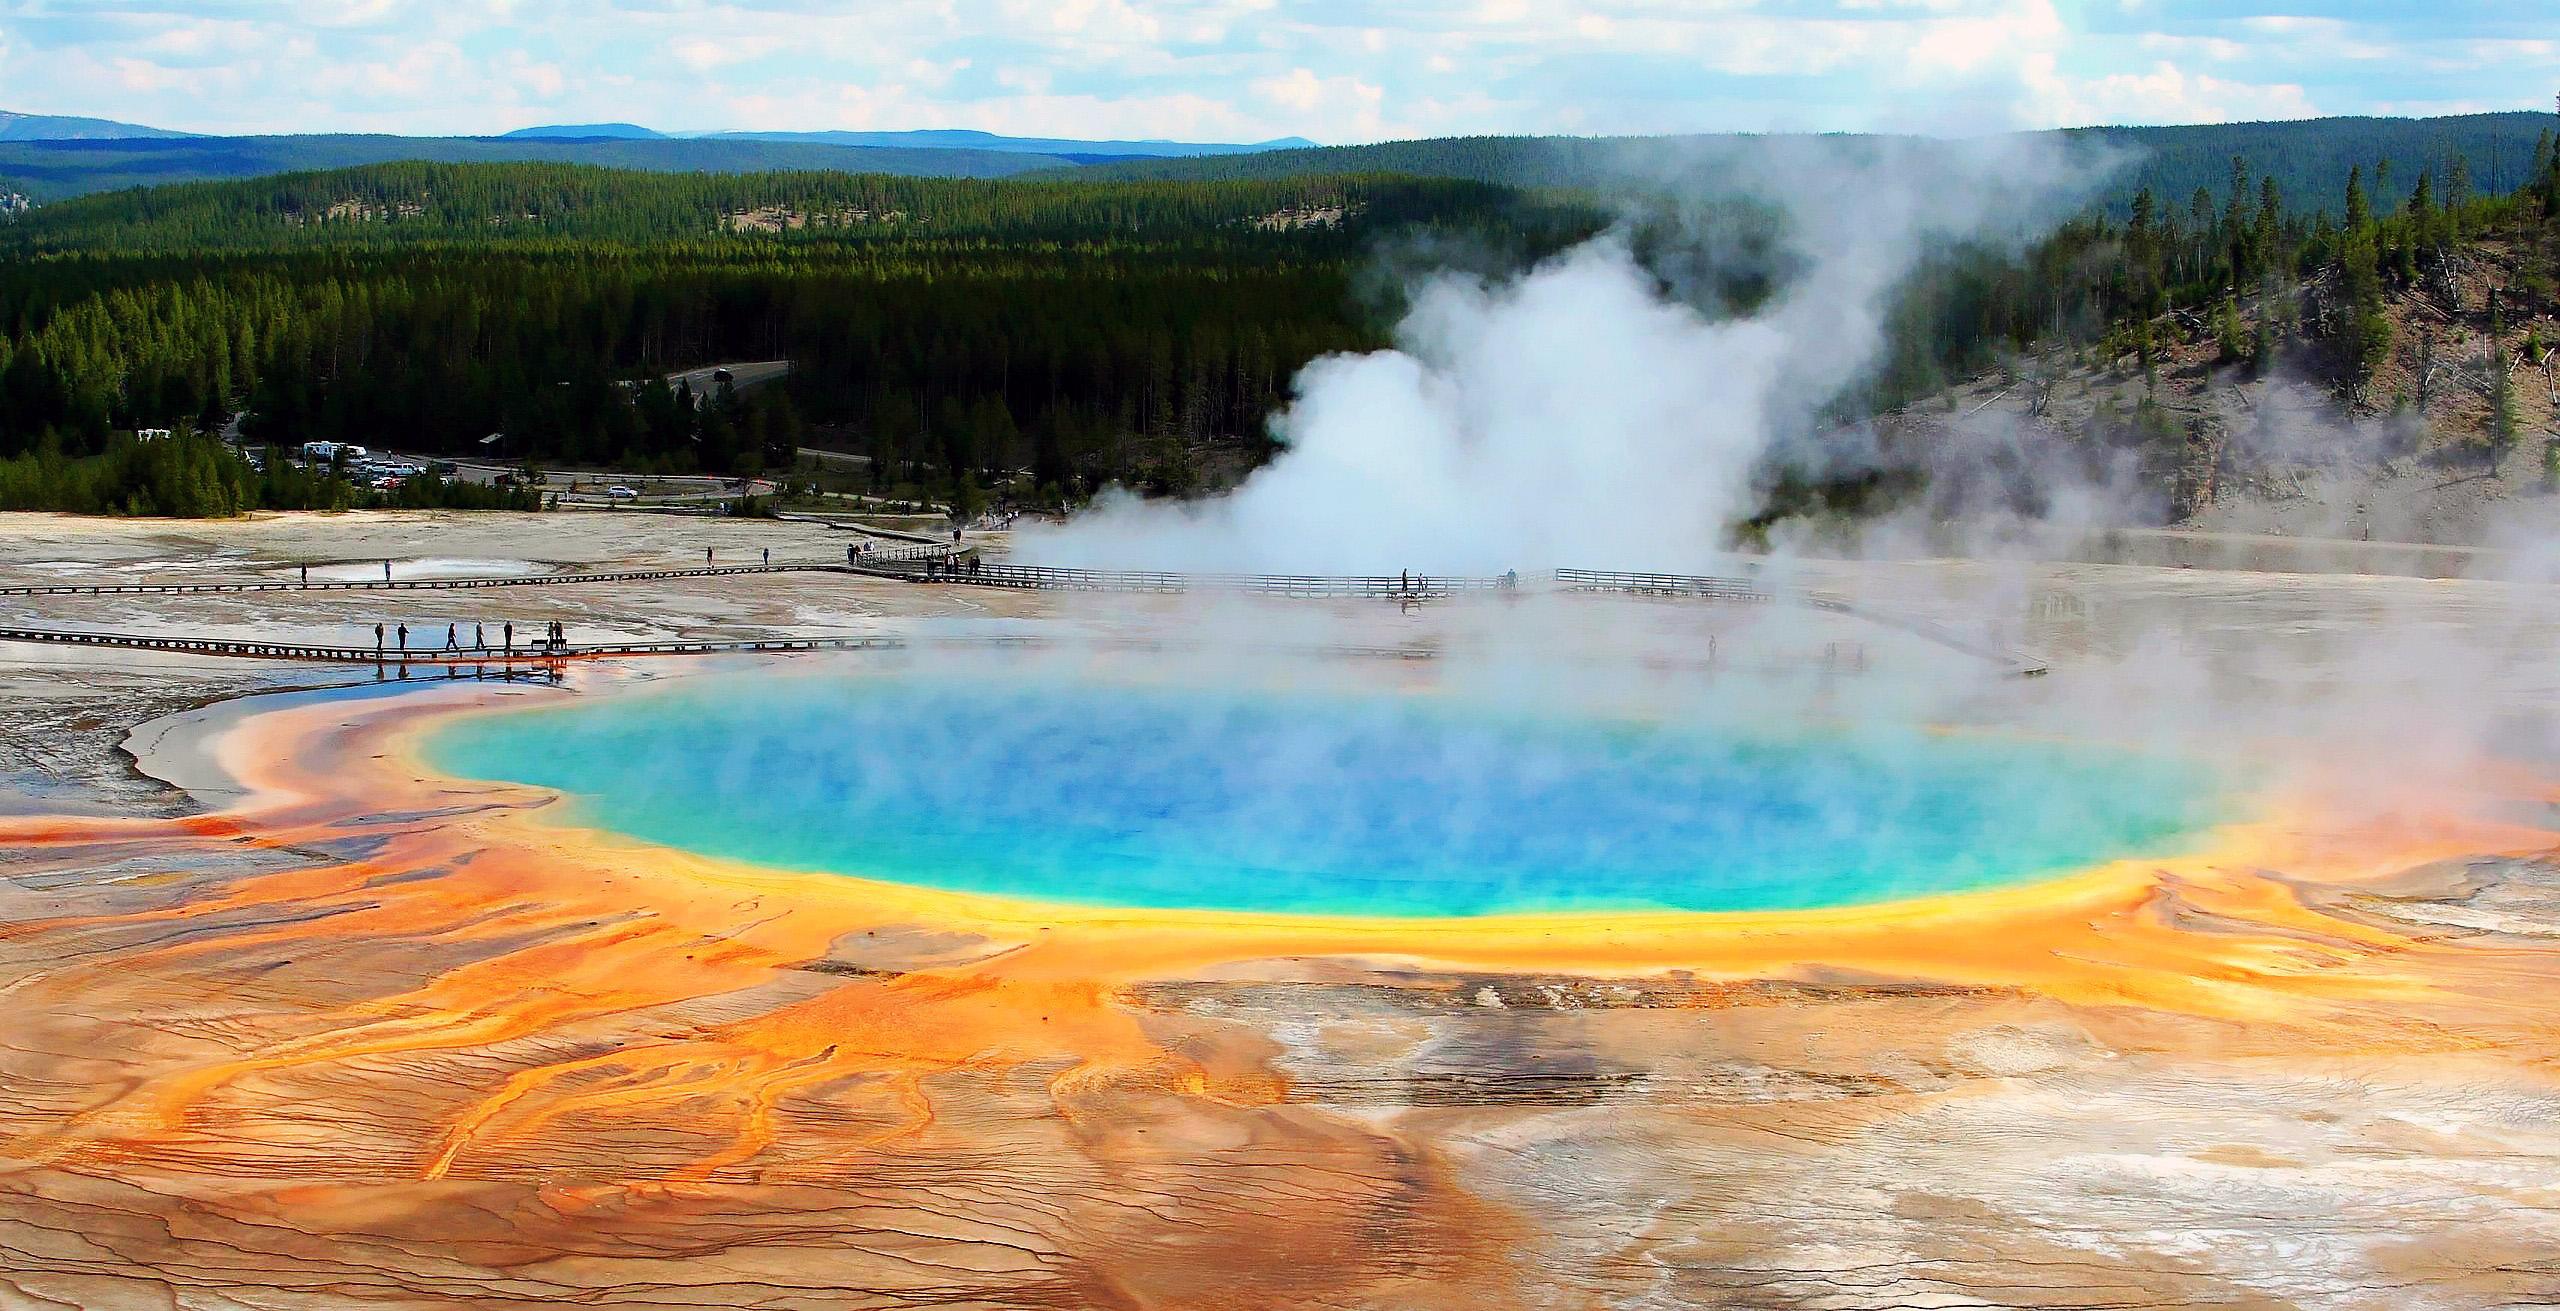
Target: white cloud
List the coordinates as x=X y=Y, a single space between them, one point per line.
x=1967 y=44
x=1344 y=106
x=545 y=81
x=2164 y=93
x=1238 y=69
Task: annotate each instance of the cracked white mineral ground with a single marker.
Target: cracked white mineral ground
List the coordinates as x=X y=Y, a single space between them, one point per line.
x=324 y=1030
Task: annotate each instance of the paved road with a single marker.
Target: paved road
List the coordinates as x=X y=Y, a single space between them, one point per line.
x=754 y=373
x=590 y=483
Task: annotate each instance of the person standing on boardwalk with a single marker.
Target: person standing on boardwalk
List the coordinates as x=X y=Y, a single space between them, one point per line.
x=377 y=640
x=510 y=637
x=768 y=555
x=306 y=575
x=386 y=571
x=404 y=638
x=706 y=555
x=479 y=638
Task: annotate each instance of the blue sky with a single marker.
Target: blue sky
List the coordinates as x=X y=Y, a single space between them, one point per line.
x=1235 y=70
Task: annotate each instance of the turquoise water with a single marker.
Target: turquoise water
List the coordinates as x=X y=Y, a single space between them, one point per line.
x=1339 y=804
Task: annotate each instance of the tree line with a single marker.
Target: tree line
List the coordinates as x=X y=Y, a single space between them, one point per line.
x=477 y=205
x=1052 y=335
x=2264 y=265
x=1071 y=333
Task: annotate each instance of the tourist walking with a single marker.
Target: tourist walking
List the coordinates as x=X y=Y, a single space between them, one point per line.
x=479 y=638
x=768 y=555
x=306 y=575
x=386 y=571
x=452 y=638
x=404 y=638
x=510 y=637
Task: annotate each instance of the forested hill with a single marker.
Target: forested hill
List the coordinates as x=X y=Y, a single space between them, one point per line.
x=1043 y=337
x=395 y=205
x=2306 y=158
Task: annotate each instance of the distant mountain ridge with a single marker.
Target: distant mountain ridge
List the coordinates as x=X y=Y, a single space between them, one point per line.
x=54 y=170
x=969 y=139
x=585 y=132
x=55 y=127
x=52 y=159
x=2304 y=157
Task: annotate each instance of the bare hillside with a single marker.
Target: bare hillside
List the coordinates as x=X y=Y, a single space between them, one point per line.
x=2250 y=422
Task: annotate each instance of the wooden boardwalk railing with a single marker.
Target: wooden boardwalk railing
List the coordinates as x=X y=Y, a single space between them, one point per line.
x=530 y=652
x=1717 y=588
x=969 y=571
x=936 y=563
x=543 y=654
x=410 y=584
x=1708 y=586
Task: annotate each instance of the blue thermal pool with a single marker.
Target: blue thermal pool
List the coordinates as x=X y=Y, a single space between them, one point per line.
x=1126 y=795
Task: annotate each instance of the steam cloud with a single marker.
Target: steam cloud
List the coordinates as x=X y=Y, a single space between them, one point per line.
x=1584 y=414
x=1579 y=414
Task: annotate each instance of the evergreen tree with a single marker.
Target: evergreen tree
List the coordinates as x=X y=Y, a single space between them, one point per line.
x=2230 y=335
x=2506 y=416
x=2266 y=231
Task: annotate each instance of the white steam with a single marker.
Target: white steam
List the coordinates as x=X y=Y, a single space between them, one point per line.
x=1579 y=414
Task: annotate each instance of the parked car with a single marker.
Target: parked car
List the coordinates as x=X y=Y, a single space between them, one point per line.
x=619 y=492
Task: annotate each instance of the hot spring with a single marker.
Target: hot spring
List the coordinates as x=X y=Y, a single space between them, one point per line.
x=1380 y=804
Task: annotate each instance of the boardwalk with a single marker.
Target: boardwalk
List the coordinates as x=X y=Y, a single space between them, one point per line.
x=523 y=653
x=938 y=566
x=949 y=569
x=968 y=571
x=1713 y=588
x=421 y=584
